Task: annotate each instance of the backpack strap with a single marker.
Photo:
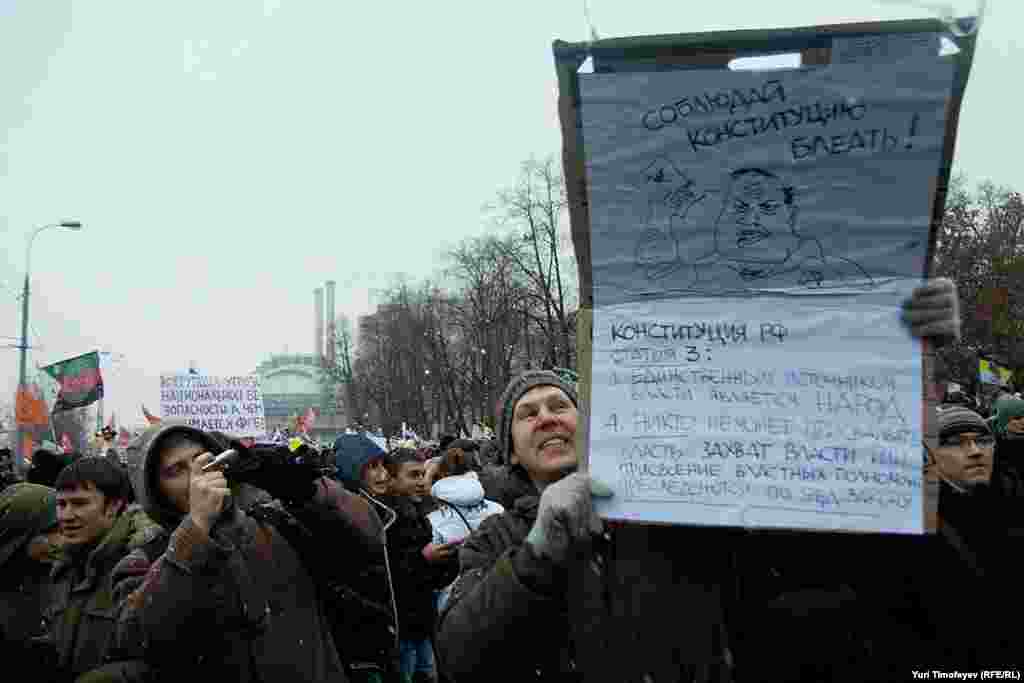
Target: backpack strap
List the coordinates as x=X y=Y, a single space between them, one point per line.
x=457 y=511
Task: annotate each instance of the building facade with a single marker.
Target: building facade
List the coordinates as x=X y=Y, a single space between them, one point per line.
x=294 y=383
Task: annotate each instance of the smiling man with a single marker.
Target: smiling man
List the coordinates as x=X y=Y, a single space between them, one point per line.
x=511 y=594
x=98 y=529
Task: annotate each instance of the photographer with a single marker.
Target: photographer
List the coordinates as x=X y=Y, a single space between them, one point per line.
x=234 y=596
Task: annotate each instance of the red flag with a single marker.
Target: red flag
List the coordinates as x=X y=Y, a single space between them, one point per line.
x=110 y=425
x=123 y=437
x=151 y=419
x=30 y=407
x=65 y=443
x=28 y=449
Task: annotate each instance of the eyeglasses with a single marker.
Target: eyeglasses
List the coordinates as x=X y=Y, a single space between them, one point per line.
x=961 y=440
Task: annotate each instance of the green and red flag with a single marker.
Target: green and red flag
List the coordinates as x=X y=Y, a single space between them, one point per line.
x=81 y=383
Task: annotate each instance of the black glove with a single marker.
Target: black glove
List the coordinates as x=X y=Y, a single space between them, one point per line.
x=286 y=475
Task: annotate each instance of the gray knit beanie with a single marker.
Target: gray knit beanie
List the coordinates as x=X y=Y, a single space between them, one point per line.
x=955 y=419
x=515 y=391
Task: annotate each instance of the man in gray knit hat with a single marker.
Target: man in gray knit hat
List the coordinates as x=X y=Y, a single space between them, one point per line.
x=511 y=592
x=964 y=457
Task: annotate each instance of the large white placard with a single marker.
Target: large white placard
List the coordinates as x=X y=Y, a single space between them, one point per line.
x=750 y=419
x=229 y=404
x=752 y=237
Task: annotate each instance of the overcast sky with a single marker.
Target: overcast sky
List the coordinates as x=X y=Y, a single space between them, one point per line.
x=228 y=157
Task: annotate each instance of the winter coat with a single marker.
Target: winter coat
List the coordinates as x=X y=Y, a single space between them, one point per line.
x=504 y=485
x=963 y=572
x=464 y=509
x=415 y=580
x=26 y=510
x=863 y=606
x=465 y=494
x=23 y=600
x=238 y=603
x=507 y=617
x=828 y=601
x=87 y=596
x=1009 y=456
x=515 y=616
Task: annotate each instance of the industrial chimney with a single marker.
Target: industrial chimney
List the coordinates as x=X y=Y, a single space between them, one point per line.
x=318 y=303
x=331 y=331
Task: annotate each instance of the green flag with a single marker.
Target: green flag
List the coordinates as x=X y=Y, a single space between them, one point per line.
x=80 y=381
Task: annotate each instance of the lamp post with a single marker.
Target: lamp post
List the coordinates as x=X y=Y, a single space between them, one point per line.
x=70 y=225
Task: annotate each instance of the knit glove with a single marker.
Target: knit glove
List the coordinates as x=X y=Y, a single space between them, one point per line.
x=284 y=474
x=566 y=517
x=933 y=311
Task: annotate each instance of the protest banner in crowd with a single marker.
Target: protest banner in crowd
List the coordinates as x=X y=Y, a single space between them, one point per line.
x=229 y=404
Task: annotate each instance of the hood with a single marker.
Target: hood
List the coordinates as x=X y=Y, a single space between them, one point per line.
x=147 y=490
x=462 y=490
x=25 y=510
x=351 y=453
x=1007 y=409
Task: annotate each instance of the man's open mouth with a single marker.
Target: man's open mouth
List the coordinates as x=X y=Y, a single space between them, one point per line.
x=748 y=237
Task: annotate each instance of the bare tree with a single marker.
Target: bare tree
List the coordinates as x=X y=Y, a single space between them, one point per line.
x=981 y=246
x=442 y=354
x=535 y=207
x=337 y=376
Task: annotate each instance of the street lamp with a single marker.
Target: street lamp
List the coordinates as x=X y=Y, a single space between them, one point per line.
x=69 y=225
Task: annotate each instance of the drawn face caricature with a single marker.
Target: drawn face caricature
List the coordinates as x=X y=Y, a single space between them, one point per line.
x=756 y=225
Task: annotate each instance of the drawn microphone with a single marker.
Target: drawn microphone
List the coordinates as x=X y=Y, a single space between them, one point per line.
x=225 y=459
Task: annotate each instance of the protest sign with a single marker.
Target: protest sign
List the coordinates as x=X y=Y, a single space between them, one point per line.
x=232 y=404
x=745 y=238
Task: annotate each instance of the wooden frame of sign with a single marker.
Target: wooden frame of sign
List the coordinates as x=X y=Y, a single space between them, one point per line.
x=653 y=607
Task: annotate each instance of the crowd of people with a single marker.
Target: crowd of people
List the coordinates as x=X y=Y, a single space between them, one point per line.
x=283 y=561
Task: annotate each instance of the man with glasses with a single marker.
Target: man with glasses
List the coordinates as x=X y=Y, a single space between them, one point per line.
x=966 y=574
x=965 y=456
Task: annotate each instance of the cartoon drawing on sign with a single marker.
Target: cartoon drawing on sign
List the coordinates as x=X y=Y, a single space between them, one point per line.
x=671 y=194
x=755 y=239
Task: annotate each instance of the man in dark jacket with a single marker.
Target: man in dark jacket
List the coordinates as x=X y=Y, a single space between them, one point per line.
x=421 y=567
x=29 y=545
x=511 y=593
x=98 y=529
x=980 y=521
x=235 y=595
